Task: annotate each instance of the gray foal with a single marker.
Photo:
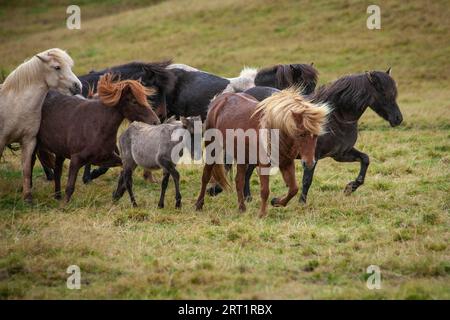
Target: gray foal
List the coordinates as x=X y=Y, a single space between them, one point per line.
x=150 y=146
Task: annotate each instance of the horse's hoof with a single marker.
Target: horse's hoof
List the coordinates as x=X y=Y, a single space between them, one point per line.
x=349 y=188
x=87 y=180
x=199 y=206
x=160 y=205
x=50 y=177
x=248 y=198
x=57 y=197
x=178 y=206
x=135 y=205
x=212 y=192
x=262 y=214
x=302 y=199
x=275 y=202
x=28 y=199
x=242 y=209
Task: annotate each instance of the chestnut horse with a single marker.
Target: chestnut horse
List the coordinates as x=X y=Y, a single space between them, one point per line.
x=85 y=131
x=298 y=121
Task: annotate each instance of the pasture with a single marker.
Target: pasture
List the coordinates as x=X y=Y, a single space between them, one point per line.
x=398 y=220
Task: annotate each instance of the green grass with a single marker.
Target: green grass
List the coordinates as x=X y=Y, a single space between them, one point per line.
x=398 y=220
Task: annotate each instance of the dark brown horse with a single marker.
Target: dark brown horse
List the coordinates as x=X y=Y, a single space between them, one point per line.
x=85 y=131
x=297 y=121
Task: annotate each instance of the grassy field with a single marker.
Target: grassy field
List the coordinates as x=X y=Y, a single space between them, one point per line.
x=399 y=220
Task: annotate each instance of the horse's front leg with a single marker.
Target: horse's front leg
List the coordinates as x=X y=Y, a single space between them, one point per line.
x=288 y=173
x=308 y=174
x=28 y=147
x=351 y=156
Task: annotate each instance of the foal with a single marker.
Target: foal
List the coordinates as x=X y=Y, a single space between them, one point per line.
x=85 y=131
x=152 y=147
x=298 y=122
x=21 y=98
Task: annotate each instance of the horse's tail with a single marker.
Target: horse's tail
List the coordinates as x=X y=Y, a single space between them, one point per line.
x=219 y=174
x=47 y=159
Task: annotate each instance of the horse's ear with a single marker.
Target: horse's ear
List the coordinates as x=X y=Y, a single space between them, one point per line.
x=312 y=64
x=369 y=76
x=389 y=71
x=43 y=58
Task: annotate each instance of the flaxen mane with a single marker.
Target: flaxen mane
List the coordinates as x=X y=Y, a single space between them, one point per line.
x=31 y=70
x=277 y=112
x=110 y=91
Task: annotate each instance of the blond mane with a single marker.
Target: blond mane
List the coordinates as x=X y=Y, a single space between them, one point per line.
x=277 y=113
x=110 y=91
x=31 y=70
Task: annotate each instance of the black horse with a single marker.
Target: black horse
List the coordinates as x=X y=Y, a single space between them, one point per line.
x=153 y=74
x=192 y=89
x=349 y=97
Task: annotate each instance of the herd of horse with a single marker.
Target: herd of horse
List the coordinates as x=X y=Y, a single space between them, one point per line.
x=55 y=115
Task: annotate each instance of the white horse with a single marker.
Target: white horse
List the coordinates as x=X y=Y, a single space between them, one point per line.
x=21 y=98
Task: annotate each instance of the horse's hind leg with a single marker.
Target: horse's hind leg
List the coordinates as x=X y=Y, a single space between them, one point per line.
x=206 y=176
x=121 y=188
x=352 y=156
x=164 y=183
x=170 y=168
x=76 y=163
x=289 y=178
x=248 y=175
x=128 y=178
x=148 y=176
x=176 y=180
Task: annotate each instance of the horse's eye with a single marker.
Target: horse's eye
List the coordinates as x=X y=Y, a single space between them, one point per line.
x=57 y=68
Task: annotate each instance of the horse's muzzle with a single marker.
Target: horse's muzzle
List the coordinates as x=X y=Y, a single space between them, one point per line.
x=75 y=88
x=395 y=121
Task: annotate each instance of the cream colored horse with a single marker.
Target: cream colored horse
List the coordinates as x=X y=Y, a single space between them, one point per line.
x=21 y=98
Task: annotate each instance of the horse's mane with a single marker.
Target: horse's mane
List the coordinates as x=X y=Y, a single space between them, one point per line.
x=284 y=73
x=163 y=77
x=277 y=112
x=348 y=92
x=31 y=70
x=110 y=91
